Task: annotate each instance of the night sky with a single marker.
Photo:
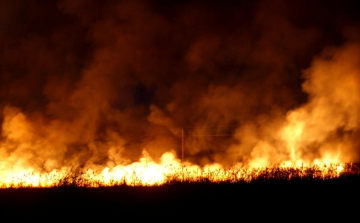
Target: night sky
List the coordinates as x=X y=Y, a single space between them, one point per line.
x=85 y=81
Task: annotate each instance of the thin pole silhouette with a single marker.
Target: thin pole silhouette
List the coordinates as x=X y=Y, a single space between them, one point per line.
x=182 y=145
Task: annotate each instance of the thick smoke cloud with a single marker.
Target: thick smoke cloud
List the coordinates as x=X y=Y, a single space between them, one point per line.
x=89 y=82
x=325 y=129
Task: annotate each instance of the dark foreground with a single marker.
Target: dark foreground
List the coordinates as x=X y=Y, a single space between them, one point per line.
x=299 y=198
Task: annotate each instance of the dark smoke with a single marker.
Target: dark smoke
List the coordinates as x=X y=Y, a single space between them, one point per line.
x=83 y=82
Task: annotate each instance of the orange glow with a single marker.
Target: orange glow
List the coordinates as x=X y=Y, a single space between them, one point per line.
x=314 y=140
x=147 y=172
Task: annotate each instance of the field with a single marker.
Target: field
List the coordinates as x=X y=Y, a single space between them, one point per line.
x=262 y=197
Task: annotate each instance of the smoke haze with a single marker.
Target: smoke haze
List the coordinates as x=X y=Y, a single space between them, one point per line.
x=251 y=82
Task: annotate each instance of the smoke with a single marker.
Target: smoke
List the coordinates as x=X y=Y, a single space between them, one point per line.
x=326 y=127
x=329 y=122
x=91 y=83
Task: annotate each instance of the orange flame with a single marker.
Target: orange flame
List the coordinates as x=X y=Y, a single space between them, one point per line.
x=314 y=141
x=146 y=172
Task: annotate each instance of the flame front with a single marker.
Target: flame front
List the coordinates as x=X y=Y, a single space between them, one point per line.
x=170 y=170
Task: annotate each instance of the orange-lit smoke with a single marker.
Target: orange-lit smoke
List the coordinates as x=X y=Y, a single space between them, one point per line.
x=107 y=87
x=329 y=122
x=325 y=129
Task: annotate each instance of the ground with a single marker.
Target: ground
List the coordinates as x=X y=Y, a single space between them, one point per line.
x=301 y=198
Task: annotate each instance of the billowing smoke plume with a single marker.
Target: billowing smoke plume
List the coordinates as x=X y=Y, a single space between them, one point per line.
x=326 y=127
x=252 y=82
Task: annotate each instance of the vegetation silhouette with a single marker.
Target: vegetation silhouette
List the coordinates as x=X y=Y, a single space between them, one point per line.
x=277 y=189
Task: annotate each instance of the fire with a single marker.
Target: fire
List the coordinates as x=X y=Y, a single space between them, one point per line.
x=90 y=145
x=146 y=172
x=17 y=170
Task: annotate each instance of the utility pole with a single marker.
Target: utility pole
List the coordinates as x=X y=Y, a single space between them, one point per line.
x=182 y=145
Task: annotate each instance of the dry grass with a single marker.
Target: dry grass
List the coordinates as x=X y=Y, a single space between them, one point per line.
x=185 y=176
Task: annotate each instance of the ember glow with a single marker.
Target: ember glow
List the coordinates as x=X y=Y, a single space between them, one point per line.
x=104 y=93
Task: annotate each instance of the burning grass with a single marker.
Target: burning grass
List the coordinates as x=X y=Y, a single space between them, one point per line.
x=184 y=195
x=147 y=176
